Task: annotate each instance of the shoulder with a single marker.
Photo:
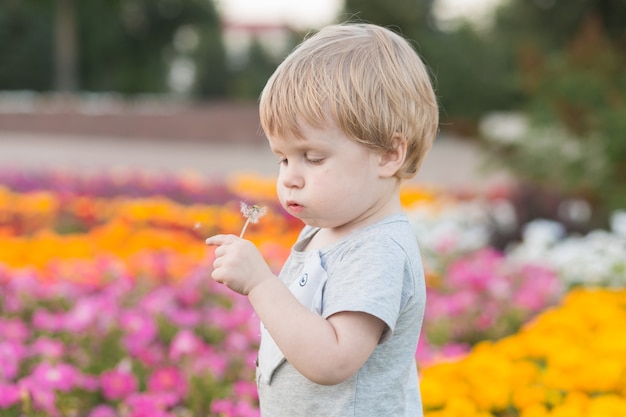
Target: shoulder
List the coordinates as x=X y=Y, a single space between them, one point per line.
x=391 y=236
x=390 y=245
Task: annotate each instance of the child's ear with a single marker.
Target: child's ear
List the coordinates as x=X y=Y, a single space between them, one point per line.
x=391 y=161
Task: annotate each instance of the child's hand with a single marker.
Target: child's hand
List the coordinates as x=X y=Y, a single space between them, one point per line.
x=238 y=263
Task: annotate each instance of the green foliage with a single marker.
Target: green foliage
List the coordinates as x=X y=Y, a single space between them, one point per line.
x=249 y=81
x=26 y=45
x=410 y=17
x=124 y=46
x=577 y=111
x=472 y=72
x=550 y=24
x=132 y=54
x=212 y=73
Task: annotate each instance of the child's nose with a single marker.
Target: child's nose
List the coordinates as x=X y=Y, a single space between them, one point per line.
x=291 y=177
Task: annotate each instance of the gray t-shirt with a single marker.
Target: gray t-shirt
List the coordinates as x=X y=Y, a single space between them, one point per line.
x=376 y=270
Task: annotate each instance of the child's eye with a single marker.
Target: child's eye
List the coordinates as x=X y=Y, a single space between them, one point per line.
x=283 y=161
x=314 y=160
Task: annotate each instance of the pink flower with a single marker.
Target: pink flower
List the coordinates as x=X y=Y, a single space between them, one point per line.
x=47 y=347
x=9 y=395
x=211 y=361
x=139 y=324
x=188 y=294
x=168 y=379
x=118 y=384
x=61 y=376
x=82 y=315
x=232 y=408
x=14 y=330
x=43 y=398
x=477 y=272
x=245 y=389
x=11 y=354
x=102 y=411
x=185 y=317
x=185 y=343
x=44 y=320
x=539 y=287
x=151 y=355
x=223 y=407
x=245 y=409
x=140 y=329
x=146 y=404
x=236 y=342
x=88 y=382
x=461 y=302
x=158 y=300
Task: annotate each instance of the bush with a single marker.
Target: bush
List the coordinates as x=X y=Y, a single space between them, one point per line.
x=576 y=123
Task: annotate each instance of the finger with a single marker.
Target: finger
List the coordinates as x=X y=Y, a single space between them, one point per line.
x=217 y=277
x=216 y=240
x=219 y=240
x=219 y=251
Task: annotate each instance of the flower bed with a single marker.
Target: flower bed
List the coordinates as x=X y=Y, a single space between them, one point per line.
x=107 y=308
x=127 y=347
x=570 y=361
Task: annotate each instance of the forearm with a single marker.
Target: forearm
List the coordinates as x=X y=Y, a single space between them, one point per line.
x=308 y=341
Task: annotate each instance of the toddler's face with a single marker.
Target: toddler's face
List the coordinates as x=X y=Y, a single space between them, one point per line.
x=328 y=180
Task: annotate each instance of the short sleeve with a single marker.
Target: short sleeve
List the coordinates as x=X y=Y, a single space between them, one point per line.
x=369 y=277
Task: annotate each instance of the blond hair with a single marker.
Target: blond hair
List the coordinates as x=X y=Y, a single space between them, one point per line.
x=367 y=79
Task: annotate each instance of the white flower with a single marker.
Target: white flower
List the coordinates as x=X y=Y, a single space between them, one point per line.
x=599 y=258
x=618 y=223
x=542 y=233
x=252 y=214
x=451 y=230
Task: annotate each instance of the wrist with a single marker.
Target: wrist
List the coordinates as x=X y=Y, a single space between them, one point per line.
x=262 y=285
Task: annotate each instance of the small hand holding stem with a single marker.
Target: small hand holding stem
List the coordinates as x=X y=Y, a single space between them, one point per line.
x=238 y=263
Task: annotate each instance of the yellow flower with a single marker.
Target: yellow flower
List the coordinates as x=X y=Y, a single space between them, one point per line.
x=607 y=406
x=412 y=195
x=535 y=410
x=253 y=187
x=560 y=365
x=525 y=396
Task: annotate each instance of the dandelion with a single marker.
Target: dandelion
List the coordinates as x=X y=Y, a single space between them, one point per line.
x=252 y=214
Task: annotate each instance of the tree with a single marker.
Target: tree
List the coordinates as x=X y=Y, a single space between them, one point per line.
x=65 y=46
x=248 y=82
x=133 y=52
x=551 y=24
x=26 y=45
x=409 y=17
x=212 y=74
x=572 y=75
x=470 y=70
x=124 y=46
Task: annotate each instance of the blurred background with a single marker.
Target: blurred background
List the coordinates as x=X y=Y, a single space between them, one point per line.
x=530 y=90
x=129 y=132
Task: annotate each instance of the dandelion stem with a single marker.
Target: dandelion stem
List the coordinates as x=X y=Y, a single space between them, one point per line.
x=245 y=226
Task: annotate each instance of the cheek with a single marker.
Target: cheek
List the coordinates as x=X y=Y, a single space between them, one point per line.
x=280 y=191
x=333 y=190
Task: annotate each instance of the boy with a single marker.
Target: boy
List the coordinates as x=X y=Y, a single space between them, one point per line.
x=349 y=114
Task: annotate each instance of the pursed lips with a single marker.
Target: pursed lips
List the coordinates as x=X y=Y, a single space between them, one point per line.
x=294 y=206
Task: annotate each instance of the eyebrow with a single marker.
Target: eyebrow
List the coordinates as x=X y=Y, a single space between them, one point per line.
x=300 y=144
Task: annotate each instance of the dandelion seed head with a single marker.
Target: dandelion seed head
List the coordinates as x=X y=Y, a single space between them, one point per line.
x=253 y=213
